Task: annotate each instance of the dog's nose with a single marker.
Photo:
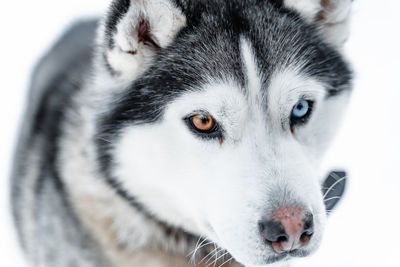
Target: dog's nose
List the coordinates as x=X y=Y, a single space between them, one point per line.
x=290 y=228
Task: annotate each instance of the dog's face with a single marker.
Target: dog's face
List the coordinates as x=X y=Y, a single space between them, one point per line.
x=223 y=131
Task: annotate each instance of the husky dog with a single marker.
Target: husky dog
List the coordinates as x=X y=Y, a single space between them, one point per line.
x=182 y=133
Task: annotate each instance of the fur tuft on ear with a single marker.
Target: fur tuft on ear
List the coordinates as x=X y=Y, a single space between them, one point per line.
x=133 y=30
x=332 y=16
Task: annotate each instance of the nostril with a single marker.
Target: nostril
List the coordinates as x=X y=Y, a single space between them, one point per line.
x=261 y=227
x=308 y=231
x=305 y=238
x=273 y=231
x=282 y=238
x=308 y=222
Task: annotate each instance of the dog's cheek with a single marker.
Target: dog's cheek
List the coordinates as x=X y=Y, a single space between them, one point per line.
x=166 y=170
x=318 y=134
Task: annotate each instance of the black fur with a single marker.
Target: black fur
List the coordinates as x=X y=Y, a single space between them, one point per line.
x=116 y=12
x=209 y=47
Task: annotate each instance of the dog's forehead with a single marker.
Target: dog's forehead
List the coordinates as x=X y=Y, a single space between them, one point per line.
x=283 y=85
x=211 y=47
x=218 y=44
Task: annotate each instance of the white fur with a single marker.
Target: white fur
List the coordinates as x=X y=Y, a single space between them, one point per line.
x=165 y=21
x=252 y=73
x=222 y=191
x=336 y=16
x=215 y=190
x=308 y=8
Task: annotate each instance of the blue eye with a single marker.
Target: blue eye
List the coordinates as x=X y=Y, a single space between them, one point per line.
x=301 y=113
x=300 y=110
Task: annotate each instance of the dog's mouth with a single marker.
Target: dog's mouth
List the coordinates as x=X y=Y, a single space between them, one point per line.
x=286 y=256
x=277 y=258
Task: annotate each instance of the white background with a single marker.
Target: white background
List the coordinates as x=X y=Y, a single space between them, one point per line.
x=363 y=231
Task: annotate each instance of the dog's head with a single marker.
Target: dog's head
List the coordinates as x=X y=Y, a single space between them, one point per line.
x=219 y=114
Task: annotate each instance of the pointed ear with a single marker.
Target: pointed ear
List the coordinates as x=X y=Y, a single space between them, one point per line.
x=332 y=16
x=133 y=30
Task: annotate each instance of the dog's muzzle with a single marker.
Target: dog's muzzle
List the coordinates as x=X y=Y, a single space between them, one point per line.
x=289 y=229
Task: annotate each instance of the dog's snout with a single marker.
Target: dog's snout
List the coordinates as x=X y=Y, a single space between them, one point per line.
x=289 y=228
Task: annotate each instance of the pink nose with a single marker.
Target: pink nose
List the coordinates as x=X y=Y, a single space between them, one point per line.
x=290 y=228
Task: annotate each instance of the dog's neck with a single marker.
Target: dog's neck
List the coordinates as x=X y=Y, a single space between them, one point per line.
x=130 y=237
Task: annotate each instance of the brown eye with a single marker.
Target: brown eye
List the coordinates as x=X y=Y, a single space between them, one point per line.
x=203 y=122
x=204 y=126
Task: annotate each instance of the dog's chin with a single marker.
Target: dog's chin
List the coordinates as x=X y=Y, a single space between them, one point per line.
x=278 y=260
x=271 y=258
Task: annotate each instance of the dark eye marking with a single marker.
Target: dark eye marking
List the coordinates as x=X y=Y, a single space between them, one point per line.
x=205 y=126
x=301 y=112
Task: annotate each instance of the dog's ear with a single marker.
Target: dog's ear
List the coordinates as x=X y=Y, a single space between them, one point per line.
x=332 y=16
x=133 y=30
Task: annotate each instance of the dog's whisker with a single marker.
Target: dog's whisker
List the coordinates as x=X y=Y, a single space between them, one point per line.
x=217 y=250
x=331 y=198
x=325 y=188
x=197 y=248
x=104 y=139
x=217 y=258
x=225 y=262
x=333 y=185
x=206 y=256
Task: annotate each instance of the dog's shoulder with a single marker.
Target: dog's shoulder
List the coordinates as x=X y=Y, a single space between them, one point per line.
x=71 y=54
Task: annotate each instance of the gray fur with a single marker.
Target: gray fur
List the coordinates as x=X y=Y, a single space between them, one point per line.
x=73 y=119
